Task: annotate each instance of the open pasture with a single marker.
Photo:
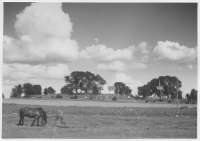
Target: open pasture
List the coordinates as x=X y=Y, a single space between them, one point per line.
x=104 y=123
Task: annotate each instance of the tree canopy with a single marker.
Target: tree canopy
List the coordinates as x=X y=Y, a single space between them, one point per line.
x=170 y=86
x=192 y=96
x=83 y=81
x=122 y=89
x=49 y=90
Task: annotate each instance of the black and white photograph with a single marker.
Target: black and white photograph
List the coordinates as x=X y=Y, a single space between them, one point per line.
x=99 y=70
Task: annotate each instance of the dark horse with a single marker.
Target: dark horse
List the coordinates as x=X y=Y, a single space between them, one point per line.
x=35 y=113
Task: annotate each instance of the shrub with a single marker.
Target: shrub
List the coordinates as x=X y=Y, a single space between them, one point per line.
x=114 y=98
x=160 y=100
x=187 y=102
x=52 y=97
x=184 y=107
x=58 y=96
x=169 y=101
x=146 y=101
x=91 y=97
x=74 y=97
x=154 y=101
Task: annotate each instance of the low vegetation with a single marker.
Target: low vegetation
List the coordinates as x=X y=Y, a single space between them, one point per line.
x=109 y=111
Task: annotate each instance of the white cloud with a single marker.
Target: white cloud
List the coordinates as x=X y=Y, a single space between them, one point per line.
x=43 y=18
x=174 y=52
x=190 y=67
x=133 y=84
x=145 y=58
x=143 y=48
x=24 y=72
x=138 y=66
x=113 y=66
x=103 y=53
x=44 y=36
x=96 y=40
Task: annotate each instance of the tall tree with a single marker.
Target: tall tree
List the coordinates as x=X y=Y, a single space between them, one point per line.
x=37 y=90
x=45 y=92
x=84 y=81
x=67 y=89
x=51 y=90
x=28 y=89
x=120 y=88
x=16 y=91
x=193 y=95
x=144 y=91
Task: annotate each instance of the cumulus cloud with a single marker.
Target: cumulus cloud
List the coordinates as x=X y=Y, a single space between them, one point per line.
x=145 y=58
x=103 y=53
x=174 y=52
x=25 y=72
x=96 y=40
x=190 y=67
x=133 y=84
x=143 y=48
x=138 y=66
x=43 y=36
x=113 y=66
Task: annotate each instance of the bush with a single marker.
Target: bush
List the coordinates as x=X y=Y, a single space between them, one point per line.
x=58 y=96
x=146 y=101
x=52 y=97
x=187 y=102
x=169 y=101
x=160 y=100
x=114 y=98
x=74 y=97
x=154 y=101
x=184 y=107
x=92 y=97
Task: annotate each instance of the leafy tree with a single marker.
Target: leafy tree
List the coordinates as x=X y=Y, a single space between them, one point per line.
x=68 y=89
x=127 y=90
x=170 y=85
x=144 y=91
x=188 y=97
x=51 y=90
x=16 y=91
x=37 y=90
x=121 y=88
x=45 y=92
x=84 y=81
x=28 y=89
x=193 y=95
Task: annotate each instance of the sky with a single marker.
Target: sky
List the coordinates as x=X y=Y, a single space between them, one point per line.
x=122 y=42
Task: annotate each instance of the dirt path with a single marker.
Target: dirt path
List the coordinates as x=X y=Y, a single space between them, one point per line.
x=91 y=103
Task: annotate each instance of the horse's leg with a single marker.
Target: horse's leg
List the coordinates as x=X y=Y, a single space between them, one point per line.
x=38 y=121
x=33 y=121
x=22 y=120
x=19 y=121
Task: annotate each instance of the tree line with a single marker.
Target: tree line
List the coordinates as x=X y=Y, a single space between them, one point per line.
x=29 y=90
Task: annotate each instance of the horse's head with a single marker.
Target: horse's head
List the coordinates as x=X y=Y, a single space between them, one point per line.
x=44 y=118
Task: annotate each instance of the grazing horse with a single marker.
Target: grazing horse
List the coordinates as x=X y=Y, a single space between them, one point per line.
x=35 y=113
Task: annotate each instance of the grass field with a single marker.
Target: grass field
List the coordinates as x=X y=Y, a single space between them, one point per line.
x=96 y=122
